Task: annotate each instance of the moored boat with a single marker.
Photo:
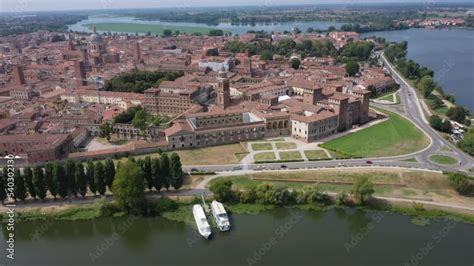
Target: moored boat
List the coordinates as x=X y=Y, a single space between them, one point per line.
x=220 y=216
x=201 y=221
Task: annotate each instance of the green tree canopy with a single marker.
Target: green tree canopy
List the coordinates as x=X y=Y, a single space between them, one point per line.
x=3 y=192
x=165 y=170
x=109 y=170
x=352 y=68
x=295 y=63
x=70 y=171
x=157 y=175
x=90 y=170
x=39 y=182
x=222 y=190
x=129 y=187
x=28 y=175
x=460 y=182
x=177 y=174
x=20 y=188
x=99 y=178
x=426 y=85
x=457 y=114
x=363 y=190
x=80 y=177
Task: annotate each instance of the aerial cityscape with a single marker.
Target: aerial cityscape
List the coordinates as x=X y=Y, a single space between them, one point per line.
x=236 y=133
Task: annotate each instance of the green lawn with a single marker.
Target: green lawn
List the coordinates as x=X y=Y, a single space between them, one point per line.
x=264 y=156
x=290 y=155
x=262 y=147
x=443 y=159
x=285 y=145
x=316 y=154
x=145 y=28
x=388 y=97
x=395 y=136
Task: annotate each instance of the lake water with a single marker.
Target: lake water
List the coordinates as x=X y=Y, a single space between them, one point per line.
x=449 y=52
x=278 y=237
x=235 y=29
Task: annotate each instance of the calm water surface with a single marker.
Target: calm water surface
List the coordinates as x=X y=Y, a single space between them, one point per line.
x=449 y=52
x=279 y=237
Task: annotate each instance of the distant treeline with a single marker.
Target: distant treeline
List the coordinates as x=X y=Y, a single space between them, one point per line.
x=359 y=50
x=10 y=25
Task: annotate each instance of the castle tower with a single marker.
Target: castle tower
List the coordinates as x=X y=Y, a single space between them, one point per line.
x=223 y=89
x=137 y=56
x=18 y=76
x=248 y=66
x=70 y=43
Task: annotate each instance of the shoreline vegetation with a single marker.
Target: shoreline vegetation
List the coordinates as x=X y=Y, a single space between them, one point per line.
x=181 y=212
x=442 y=106
x=253 y=197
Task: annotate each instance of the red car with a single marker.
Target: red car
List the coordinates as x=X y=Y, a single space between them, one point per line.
x=368 y=162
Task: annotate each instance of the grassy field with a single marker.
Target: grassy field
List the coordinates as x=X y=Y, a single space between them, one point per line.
x=264 y=156
x=145 y=28
x=395 y=136
x=223 y=154
x=443 y=159
x=285 y=145
x=400 y=183
x=316 y=154
x=290 y=155
x=262 y=147
x=388 y=97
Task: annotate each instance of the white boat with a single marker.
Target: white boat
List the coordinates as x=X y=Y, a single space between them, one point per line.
x=220 y=215
x=201 y=221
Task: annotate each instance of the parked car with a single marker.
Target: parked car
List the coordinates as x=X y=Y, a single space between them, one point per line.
x=283 y=166
x=368 y=162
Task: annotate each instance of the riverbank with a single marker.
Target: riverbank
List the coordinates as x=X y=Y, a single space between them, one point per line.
x=419 y=213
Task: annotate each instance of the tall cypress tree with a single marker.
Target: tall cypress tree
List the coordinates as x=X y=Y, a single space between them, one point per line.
x=177 y=175
x=48 y=177
x=80 y=178
x=109 y=173
x=156 y=172
x=28 y=175
x=70 y=170
x=90 y=176
x=39 y=182
x=99 y=178
x=60 y=179
x=148 y=172
x=165 y=170
x=20 y=186
x=3 y=192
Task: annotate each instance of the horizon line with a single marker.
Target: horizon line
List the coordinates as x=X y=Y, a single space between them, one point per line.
x=362 y=3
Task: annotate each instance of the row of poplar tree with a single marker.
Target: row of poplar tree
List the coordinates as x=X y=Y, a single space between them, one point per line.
x=69 y=179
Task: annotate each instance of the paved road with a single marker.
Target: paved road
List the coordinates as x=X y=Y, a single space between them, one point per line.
x=414 y=112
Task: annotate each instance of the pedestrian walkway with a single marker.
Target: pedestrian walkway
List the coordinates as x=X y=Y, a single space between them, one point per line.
x=281 y=145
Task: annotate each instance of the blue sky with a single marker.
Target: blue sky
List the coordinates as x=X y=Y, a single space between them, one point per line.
x=41 y=5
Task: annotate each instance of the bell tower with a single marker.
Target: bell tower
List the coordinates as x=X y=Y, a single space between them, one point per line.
x=223 y=89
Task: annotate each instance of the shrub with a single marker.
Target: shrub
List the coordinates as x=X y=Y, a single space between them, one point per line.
x=460 y=183
x=166 y=204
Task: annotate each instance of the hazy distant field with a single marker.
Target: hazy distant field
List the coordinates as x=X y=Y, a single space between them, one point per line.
x=145 y=28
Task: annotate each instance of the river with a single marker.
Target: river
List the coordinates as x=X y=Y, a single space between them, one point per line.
x=277 y=237
x=449 y=52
